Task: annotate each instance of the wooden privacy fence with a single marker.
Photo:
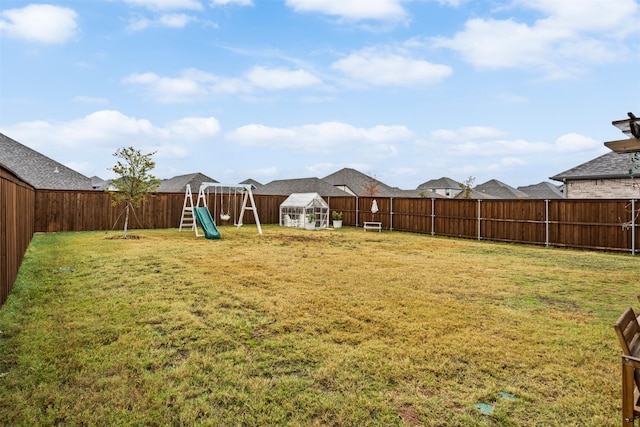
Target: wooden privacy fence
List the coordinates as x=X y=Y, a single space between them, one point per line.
x=586 y=224
x=17 y=201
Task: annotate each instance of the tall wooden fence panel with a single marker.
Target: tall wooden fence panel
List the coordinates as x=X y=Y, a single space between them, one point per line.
x=17 y=201
x=587 y=224
x=594 y=224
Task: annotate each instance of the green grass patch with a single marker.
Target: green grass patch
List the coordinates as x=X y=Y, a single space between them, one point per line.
x=323 y=328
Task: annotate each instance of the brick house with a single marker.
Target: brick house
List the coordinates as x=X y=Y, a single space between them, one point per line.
x=605 y=177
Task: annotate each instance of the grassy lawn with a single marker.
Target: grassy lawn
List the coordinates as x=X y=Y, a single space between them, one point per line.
x=311 y=328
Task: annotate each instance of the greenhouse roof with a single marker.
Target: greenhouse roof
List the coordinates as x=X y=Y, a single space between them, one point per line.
x=304 y=200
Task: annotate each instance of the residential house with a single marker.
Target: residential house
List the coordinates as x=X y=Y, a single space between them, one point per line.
x=100 y=184
x=499 y=190
x=605 y=177
x=39 y=170
x=444 y=186
x=543 y=190
x=358 y=184
x=473 y=194
x=178 y=184
x=286 y=187
x=417 y=194
x=252 y=182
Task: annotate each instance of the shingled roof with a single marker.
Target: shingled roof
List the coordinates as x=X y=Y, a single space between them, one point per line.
x=285 y=187
x=500 y=190
x=608 y=166
x=440 y=183
x=253 y=182
x=178 y=184
x=542 y=190
x=359 y=183
x=39 y=170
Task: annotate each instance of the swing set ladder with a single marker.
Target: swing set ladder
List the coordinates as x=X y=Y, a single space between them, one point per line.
x=188 y=220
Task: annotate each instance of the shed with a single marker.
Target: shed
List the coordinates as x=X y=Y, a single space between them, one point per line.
x=304 y=210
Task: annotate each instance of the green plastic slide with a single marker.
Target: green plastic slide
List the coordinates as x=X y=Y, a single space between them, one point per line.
x=206 y=222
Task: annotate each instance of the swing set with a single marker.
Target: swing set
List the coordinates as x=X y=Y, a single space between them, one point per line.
x=194 y=215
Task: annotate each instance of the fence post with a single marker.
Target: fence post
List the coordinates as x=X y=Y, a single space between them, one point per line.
x=479 y=220
x=433 y=217
x=633 y=226
x=546 y=223
x=357 y=211
x=391 y=214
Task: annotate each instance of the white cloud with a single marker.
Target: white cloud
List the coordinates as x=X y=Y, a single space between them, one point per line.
x=231 y=2
x=571 y=36
x=466 y=134
x=589 y=16
x=193 y=84
x=166 y=89
x=322 y=137
x=41 y=23
x=167 y=4
x=111 y=128
x=281 y=78
x=381 y=10
x=574 y=143
x=173 y=20
x=195 y=128
x=390 y=69
x=98 y=135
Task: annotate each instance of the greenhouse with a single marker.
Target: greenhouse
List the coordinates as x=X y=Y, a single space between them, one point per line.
x=304 y=210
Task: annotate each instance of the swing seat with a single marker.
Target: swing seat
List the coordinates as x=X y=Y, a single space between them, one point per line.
x=225 y=217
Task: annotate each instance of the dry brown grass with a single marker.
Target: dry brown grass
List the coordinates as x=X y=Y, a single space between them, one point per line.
x=335 y=327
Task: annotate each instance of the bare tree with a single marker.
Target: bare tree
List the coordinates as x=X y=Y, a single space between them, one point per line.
x=371 y=187
x=466 y=187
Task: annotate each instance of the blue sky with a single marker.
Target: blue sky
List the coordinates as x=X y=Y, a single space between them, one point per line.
x=403 y=90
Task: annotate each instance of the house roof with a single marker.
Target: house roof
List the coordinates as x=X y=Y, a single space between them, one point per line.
x=253 y=182
x=542 y=190
x=475 y=195
x=178 y=184
x=608 y=166
x=285 y=187
x=443 y=183
x=359 y=183
x=419 y=194
x=39 y=170
x=100 y=184
x=500 y=190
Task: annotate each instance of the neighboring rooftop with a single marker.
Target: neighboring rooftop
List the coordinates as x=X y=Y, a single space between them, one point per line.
x=285 y=187
x=500 y=190
x=359 y=184
x=252 y=182
x=39 y=170
x=178 y=184
x=440 y=183
x=608 y=166
x=475 y=195
x=543 y=190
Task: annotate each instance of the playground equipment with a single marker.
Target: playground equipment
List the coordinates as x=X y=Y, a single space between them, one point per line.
x=208 y=226
x=192 y=214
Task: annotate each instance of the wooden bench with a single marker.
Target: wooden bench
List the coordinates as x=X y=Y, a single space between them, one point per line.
x=372 y=225
x=628 y=331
